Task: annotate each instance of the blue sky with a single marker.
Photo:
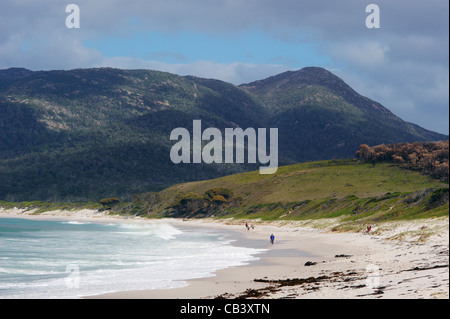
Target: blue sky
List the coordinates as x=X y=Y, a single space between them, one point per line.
x=403 y=64
x=254 y=46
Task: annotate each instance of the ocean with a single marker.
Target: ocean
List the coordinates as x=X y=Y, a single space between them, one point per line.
x=69 y=259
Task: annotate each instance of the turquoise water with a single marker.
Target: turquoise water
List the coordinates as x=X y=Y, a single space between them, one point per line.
x=67 y=259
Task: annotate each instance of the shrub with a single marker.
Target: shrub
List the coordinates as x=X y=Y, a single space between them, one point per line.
x=431 y=157
x=109 y=201
x=437 y=198
x=219 y=199
x=189 y=198
x=186 y=203
x=218 y=191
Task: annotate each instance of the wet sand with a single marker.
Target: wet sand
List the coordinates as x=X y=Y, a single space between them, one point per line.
x=308 y=260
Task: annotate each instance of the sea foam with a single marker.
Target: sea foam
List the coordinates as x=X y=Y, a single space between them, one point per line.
x=38 y=258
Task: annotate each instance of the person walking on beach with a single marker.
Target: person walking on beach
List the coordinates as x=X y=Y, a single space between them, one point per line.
x=272 y=239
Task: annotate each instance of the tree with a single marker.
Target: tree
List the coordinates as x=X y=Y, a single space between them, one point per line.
x=398 y=159
x=431 y=157
x=219 y=200
x=109 y=202
x=218 y=191
x=188 y=203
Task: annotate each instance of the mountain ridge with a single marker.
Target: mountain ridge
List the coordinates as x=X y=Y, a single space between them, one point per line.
x=91 y=133
x=315 y=76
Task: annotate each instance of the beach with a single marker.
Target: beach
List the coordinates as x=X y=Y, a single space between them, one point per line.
x=395 y=260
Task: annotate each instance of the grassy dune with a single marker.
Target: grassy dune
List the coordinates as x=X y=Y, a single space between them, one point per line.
x=316 y=180
x=325 y=189
x=353 y=192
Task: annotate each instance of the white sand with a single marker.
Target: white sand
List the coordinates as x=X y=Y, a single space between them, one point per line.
x=396 y=260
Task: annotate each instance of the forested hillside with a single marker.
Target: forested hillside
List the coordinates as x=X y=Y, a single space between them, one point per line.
x=87 y=134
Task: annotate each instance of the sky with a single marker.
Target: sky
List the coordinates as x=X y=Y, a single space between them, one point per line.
x=403 y=64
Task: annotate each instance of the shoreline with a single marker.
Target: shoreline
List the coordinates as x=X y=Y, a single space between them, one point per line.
x=405 y=259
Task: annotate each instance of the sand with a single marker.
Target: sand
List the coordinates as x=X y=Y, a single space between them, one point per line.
x=406 y=259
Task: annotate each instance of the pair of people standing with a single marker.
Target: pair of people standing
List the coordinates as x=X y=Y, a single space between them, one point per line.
x=248 y=227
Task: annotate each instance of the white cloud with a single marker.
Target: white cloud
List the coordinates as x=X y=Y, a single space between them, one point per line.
x=236 y=72
x=366 y=54
x=404 y=64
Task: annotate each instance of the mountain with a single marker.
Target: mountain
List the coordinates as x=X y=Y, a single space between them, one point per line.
x=326 y=117
x=85 y=134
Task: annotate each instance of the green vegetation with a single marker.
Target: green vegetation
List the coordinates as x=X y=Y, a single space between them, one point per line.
x=324 y=116
x=193 y=205
x=430 y=157
x=347 y=189
x=315 y=180
x=109 y=202
x=86 y=134
x=39 y=207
